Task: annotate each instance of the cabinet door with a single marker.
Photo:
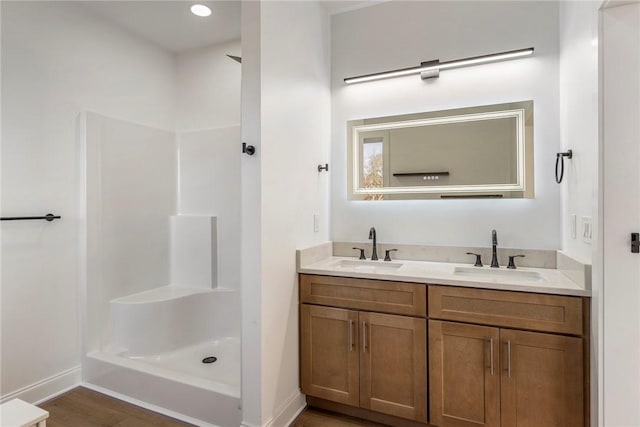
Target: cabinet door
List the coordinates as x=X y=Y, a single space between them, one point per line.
x=542 y=381
x=329 y=353
x=393 y=365
x=464 y=375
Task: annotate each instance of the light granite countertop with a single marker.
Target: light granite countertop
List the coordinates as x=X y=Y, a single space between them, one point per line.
x=523 y=279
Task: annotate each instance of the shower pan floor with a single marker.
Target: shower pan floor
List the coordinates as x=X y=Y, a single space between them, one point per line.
x=225 y=370
x=184 y=365
x=174 y=383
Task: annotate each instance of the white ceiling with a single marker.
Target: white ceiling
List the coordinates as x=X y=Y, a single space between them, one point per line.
x=170 y=24
x=340 y=6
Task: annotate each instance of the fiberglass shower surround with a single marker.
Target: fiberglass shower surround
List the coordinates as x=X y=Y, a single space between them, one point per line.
x=158 y=299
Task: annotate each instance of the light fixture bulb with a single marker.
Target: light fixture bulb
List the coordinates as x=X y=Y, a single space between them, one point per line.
x=200 y=10
x=458 y=63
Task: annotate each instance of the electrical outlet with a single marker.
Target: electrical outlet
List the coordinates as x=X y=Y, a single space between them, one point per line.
x=316 y=223
x=573 y=225
x=587 y=229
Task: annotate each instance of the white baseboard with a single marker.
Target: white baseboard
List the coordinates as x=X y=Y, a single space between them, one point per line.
x=47 y=388
x=288 y=411
x=148 y=406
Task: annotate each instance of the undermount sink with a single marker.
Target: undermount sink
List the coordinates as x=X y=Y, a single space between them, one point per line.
x=362 y=265
x=495 y=273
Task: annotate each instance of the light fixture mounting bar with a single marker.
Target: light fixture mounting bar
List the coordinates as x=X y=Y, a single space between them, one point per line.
x=430 y=69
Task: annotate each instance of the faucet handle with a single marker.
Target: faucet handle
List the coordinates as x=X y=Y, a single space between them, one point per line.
x=387 y=252
x=361 y=252
x=478 y=259
x=512 y=264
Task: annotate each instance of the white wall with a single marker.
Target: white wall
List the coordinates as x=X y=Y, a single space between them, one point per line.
x=208 y=91
x=58 y=60
x=579 y=132
x=251 y=194
x=293 y=140
x=579 y=119
x=402 y=34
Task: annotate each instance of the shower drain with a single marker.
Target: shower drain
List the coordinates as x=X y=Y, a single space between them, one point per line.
x=209 y=359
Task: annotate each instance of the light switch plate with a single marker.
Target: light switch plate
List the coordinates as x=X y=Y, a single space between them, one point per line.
x=316 y=223
x=587 y=229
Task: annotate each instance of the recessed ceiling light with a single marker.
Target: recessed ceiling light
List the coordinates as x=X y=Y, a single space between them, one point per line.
x=200 y=10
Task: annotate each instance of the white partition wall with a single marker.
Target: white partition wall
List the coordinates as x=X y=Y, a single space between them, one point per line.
x=286 y=115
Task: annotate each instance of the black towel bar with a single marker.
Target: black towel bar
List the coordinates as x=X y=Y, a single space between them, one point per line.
x=48 y=217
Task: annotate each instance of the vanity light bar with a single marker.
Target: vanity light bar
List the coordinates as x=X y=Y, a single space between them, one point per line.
x=431 y=68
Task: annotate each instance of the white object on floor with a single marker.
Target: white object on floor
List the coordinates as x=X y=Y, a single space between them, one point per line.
x=18 y=413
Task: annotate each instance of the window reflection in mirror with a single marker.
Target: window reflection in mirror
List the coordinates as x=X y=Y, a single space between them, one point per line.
x=372 y=166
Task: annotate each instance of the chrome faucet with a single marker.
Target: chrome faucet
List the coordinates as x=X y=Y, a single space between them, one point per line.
x=374 y=252
x=494 y=257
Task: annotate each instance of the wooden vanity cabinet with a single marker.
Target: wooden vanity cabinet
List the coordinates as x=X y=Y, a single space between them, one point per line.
x=464 y=375
x=499 y=376
x=483 y=376
x=518 y=310
x=329 y=367
x=369 y=360
x=495 y=358
x=393 y=365
x=380 y=296
x=541 y=380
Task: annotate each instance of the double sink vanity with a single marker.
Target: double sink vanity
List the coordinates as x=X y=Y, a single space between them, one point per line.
x=414 y=342
x=429 y=335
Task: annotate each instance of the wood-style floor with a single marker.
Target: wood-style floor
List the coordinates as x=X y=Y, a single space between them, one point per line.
x=312 y=417
x=82 y=407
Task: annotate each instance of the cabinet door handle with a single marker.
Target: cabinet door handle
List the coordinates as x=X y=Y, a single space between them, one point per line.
x=364 y=337
x=491 y=353
x=509 y=358
x=350 y=335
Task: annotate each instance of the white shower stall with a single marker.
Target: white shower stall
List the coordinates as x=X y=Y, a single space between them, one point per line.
x=160 y=222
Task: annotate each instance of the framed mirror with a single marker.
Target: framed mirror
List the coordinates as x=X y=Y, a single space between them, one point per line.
x=475 y=152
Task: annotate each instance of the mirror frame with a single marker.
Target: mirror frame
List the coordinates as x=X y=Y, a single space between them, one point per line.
x=522 y=188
